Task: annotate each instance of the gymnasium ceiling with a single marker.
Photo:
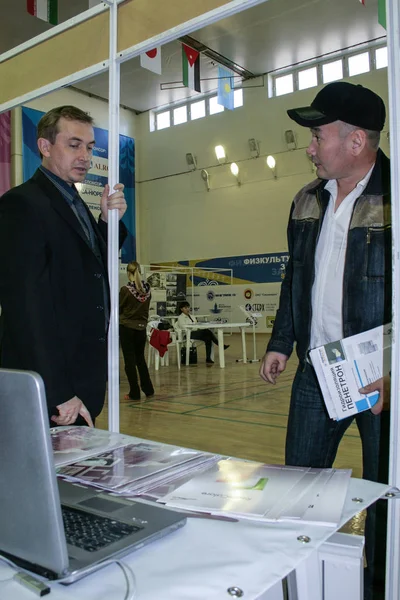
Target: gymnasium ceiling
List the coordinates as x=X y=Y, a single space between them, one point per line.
x=270 y=36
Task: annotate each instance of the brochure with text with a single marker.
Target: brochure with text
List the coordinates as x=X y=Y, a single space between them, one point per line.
x=345 y=366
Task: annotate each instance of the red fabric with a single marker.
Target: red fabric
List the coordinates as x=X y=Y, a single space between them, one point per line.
x=160 y=340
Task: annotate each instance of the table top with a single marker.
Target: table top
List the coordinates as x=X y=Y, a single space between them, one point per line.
x=207 y=556
x=212 y=325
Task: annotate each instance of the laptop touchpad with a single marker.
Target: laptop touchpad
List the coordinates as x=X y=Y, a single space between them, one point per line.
x=102 y=504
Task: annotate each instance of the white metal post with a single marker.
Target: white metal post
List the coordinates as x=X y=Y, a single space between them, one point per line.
x=113 y=223
x=393 y=546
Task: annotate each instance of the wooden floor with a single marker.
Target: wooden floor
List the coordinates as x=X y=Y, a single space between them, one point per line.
x=228 y=411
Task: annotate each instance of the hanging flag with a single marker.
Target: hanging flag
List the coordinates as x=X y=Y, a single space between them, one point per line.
x=362 y=2
x=151 y=60
x=191 y=68
x=382 y=13
x=47 y=10
x=225 y=88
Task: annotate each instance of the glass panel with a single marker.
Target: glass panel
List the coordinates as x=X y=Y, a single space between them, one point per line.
x=238 y=98
x=308 y=78
x=332 y=71
x=284 y=84
x=180 y=115
x=359 y=64
x=198 y=110
x=214 y=106
x=381 y=58
x=163 y=119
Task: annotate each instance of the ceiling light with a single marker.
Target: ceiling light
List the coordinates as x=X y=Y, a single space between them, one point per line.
x=234 y=169
x=206 y=178
x=191 y=160
x=271 y=162
x=220 y=154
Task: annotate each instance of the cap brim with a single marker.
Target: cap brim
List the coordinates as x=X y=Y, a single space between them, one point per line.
x=307 y=116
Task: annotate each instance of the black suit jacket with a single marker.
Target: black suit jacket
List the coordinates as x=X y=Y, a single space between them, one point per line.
x=52 y=294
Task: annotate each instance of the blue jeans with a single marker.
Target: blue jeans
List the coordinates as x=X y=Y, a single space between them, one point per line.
x=312 y=440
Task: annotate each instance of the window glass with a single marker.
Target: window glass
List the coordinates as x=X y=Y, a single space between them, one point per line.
x=308 y=78
x=214 y=106
x=284 y=84
x=180 y=115
x=163 y=119
x=198 y=110
x=359 y=64
x=381 y=58
x=238 y=98
x=332 y=71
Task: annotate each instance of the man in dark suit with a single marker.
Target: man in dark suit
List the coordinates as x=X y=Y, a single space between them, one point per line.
x=54 y=290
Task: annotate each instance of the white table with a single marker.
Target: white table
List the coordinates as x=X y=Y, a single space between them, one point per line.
x=220 y=332
x=206 y=557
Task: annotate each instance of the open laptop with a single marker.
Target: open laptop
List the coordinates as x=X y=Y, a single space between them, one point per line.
x=56 y=528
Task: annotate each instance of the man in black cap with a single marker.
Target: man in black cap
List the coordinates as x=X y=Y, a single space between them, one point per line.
x=338 y=279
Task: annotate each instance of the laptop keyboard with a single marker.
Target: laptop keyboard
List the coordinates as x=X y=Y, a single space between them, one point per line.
x=91 y=532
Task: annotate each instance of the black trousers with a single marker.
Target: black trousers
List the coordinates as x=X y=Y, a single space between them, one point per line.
x=133 y=344
x=207 y=336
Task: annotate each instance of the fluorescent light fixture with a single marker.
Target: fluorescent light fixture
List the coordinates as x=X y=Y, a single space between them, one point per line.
x=220 y=154
x=234 y=169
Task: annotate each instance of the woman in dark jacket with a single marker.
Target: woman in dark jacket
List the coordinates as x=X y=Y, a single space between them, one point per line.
x=134 y=302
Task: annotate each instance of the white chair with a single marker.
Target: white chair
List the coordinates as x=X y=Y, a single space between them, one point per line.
x=153 y=352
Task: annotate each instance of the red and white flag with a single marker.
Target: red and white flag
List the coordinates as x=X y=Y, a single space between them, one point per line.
x=362 y=2
x=47 y=10
x=151 y=60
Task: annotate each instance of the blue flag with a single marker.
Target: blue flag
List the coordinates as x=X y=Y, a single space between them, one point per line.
x=225 y=88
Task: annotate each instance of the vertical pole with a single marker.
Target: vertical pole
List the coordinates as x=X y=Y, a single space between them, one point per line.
x=113 y=224
x=393 y=546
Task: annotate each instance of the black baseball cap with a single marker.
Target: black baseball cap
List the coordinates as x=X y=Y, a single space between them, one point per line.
x=342 y=101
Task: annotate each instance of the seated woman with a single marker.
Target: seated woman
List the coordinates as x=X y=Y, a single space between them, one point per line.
x=205 y=335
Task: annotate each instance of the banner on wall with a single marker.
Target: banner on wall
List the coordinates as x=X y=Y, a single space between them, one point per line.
x=91 y=188
x=5 y=152
x=256 y=284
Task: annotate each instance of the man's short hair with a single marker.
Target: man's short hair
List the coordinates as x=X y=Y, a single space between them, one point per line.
x=48 y=125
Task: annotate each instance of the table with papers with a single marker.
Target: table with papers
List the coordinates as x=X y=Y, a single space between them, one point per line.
x=215 y=557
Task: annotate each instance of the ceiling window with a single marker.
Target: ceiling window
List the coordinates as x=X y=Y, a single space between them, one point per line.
x=198 y=110
x=359 y=64
x=308 y=78
x=332 y=71
x=381 y=58
x=180 y=115
x=214 y=107
x=284 y=84
x=163 y=119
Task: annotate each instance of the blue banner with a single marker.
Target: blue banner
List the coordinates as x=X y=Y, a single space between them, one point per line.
x=92 y=188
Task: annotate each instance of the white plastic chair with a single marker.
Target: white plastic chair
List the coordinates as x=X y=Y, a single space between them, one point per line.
x=154 y=353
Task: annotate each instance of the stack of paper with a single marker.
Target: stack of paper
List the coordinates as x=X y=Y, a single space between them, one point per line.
x=255 y=491
x=135 y=468
x=345 y=366
x=75 y=443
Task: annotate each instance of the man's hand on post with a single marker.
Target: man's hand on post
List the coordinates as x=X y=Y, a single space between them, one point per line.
x=112 y=201
x=68 y=412
x=272 y=365
x=382 y=386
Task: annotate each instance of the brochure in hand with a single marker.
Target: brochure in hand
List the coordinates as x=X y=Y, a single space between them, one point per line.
x=345 y=366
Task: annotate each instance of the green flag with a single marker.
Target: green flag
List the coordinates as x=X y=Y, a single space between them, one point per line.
x=382 y=13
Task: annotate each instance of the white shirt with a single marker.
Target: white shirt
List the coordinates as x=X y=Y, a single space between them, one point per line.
x=184 y=320
x=330 y=254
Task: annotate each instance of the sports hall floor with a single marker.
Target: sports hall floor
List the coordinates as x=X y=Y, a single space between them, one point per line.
x=227 y=411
